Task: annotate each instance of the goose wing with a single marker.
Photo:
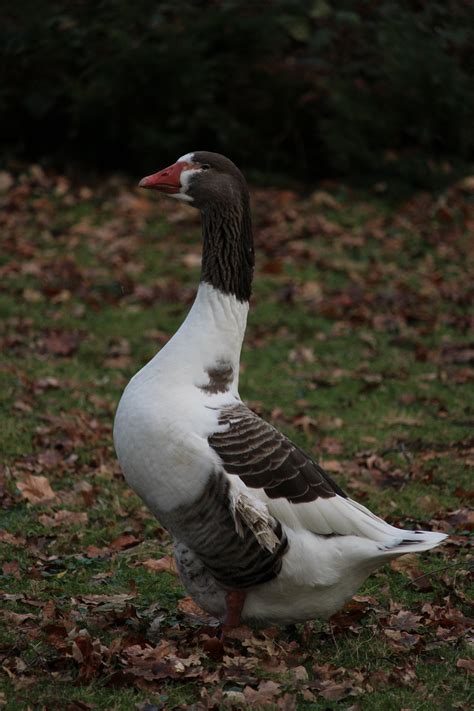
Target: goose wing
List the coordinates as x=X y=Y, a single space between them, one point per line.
x=264 y=458
x=264 y=464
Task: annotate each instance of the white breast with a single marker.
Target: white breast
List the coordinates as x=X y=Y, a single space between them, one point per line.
x=165 y=417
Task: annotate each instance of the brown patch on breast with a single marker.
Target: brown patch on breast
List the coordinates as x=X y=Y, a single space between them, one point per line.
x=220 y=377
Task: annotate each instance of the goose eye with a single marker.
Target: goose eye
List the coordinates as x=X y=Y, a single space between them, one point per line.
x=205 y=166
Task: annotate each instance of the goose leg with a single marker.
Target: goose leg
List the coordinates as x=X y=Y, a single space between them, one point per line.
x=235 y=601
x=234 y=604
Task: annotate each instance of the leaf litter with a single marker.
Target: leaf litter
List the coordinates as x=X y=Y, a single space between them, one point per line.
x=411 y=294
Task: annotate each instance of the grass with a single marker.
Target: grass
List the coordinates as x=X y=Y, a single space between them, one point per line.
x=358 y=322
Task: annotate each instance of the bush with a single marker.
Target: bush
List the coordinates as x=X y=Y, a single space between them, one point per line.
x=310 y=88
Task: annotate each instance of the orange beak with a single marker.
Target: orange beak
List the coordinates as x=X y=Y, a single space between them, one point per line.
x=167 y=180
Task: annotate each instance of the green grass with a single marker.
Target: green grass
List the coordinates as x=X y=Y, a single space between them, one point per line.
x=361 y=326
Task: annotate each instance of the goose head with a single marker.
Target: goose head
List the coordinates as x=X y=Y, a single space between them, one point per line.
x=203 y=179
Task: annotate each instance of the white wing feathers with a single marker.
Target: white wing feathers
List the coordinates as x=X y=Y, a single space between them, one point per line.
x=336 y=516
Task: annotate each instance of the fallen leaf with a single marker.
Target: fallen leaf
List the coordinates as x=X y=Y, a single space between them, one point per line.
x=299 y=673
x=36 y=489
x=306 y=423
x=32 y=296
x=187 y=606
x=264 y=695
x=462 y=519
x=166 y=564
x=467 y=664
x=405 y=563
x=191 y=260
x=64 y=518
x=17 y=618
x=301 y=355
x=49 y=611
x=96 y=552
x=125 y=540
x=333 y=691
x=273 y=266
x=402 y=419
x=404 y=620
x=49 y=458
x=118 y=600
x=12 y=568
x=6 y=181
x=119 y=361
x=63 y=343
x=332 y=465
x=9 y=538
x=401 y=641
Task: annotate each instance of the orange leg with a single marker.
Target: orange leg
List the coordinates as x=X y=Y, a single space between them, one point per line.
x=234 y=604
x=235 y=601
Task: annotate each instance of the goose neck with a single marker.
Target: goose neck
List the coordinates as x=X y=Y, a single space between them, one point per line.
x=228 y=254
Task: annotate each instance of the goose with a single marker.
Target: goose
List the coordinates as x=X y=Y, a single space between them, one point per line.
x=262 y=534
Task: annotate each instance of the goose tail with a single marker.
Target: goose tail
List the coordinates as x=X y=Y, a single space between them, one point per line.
x=412 y=542
x=390 y=540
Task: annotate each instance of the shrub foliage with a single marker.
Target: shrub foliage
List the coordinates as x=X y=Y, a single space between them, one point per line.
x=313 y=88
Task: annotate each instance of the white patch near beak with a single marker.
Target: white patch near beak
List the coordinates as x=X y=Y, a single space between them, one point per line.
x=184 y=179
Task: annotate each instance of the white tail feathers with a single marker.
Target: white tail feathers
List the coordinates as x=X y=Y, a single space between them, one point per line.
x=413 y=542
x=392 y=541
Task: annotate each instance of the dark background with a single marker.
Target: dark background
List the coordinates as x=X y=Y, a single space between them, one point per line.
x=353 y=88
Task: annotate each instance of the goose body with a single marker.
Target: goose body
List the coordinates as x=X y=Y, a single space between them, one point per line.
x=261 y=532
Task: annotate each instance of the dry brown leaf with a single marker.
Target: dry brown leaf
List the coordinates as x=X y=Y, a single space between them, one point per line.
x=234 y=699
x=63 y=518
x=49 y=458
x=287 y=702
x=125 y=540
x=405 y=563
x=329 y=423
x=160 y=662
x=16 y=617
x=462 y=519
x=9 y=538
x=163 y=565
x=36 y=489
x=12 y=568
x=333 y=691
x=402 y=641
x=409 y=566
x=306 y=423
x=467 y=664
x=428 y=503
x=187 y=606
x=95 y=552
x=404 y=620
x=120 y=362
x=467 y=183
x=332 y=465
x=101 y=599
x=273 y=266
x=191 y=260
x=402 y=419
x=49 y=611
x=301 y=355
x=32 y=296
x=6 y=181
x=63 y=343
x=299 y=673
x=264 y=695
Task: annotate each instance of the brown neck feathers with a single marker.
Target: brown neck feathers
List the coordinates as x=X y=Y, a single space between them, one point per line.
x=228 y=255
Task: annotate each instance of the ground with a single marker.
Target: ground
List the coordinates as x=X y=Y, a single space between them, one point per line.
x=357 y=347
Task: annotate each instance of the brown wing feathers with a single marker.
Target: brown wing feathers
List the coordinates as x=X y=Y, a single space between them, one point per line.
x=264 y=458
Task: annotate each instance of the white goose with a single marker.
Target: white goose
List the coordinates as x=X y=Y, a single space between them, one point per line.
x=262 y=534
